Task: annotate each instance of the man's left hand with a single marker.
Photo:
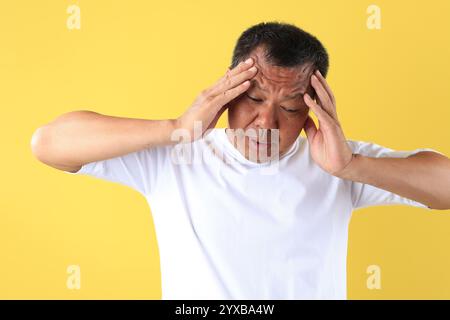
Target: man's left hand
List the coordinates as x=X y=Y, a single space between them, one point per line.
x=328 y=146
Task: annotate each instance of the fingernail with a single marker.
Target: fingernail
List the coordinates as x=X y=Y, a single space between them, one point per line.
x=318 y=72
x=253 y=68
x=249 y=61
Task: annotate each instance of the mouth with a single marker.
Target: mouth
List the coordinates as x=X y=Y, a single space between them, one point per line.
x=259 y=143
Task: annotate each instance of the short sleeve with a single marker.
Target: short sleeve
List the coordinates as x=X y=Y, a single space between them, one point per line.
x=137 y=170
x=365 y=195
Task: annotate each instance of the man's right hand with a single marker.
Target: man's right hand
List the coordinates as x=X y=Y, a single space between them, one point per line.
x=79 y=137
x=212 y=102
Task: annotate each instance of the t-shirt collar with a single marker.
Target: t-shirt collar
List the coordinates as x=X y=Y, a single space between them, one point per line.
x=233 y=151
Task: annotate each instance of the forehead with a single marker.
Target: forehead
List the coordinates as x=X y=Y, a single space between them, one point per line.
x=269 y=75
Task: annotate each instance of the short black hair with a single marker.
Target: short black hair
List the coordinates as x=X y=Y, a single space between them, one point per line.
x=286 y=45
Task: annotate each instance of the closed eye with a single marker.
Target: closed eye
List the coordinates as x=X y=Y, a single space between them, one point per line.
x=290 y=110
x=254 y=99
x=260 y=100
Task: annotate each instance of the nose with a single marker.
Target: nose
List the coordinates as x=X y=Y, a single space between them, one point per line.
x=267 y=117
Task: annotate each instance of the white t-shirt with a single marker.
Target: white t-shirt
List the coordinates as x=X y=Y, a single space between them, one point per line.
x=230 y=228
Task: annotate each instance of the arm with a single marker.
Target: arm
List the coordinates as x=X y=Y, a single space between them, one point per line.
x=76 y=138
x=423 y=177
x=80 y=137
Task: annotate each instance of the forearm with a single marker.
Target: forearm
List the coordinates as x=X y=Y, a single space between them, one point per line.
x=423 y=177
x=80 y=137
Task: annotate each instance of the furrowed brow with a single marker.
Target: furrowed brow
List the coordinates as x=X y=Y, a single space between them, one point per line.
x=293 y=96
x=289 y=97
x=256 y=85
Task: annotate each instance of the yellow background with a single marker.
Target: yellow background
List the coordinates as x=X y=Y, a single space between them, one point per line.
x=150 y=59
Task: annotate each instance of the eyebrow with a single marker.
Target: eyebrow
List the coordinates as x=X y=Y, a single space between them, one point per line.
x=288 y=97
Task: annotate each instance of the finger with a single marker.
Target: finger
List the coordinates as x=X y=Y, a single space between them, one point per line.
x=310 y=129
x=327 y=87
x=229 y=76
x=323 y=96
x=217 y=117
x=230 y=94
x=233 y=81
x=218 y=81
x=320 y=113
x=243 y=65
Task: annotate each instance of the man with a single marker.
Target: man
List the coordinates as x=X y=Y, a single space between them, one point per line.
x=229 y=227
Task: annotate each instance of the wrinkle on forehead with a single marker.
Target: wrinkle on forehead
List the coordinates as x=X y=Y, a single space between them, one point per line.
x=286 y=77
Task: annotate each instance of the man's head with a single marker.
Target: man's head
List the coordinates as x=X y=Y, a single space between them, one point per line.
x=286 y=57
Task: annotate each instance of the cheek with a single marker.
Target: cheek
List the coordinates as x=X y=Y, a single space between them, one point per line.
x=239 y=114
x=290 y=128
x=293 y=122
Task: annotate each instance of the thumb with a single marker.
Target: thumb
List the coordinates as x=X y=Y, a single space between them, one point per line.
x=216 y=118
x=310 y=129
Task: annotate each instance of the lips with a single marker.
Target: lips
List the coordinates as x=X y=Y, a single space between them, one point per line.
x=259 y=142
x=263 y=138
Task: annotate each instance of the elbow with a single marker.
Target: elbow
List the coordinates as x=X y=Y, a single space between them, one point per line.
x=44 y=145
x=440 y=207
x=40 y=143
